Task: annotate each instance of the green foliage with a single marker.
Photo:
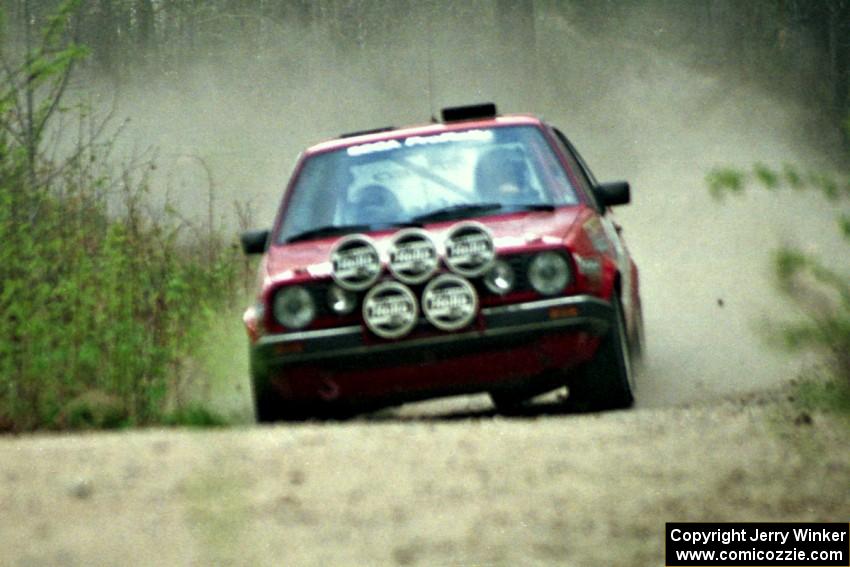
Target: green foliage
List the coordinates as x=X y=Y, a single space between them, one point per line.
x=725 y=180
x=768 y=178
x=94 y=410
x=792 y=177
x=822 y=393
x=91 y=301
x=844 y=225
x=194 y=416
x=97 y=307
x=821 y=290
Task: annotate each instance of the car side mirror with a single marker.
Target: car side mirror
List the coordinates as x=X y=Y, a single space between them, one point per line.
x=613 y=193
x=254 y=241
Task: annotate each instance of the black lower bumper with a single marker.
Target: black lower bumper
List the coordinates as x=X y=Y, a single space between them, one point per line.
x=500 y=327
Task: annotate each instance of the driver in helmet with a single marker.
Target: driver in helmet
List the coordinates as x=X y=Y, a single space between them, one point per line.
x=376 y=204
x=502 y=176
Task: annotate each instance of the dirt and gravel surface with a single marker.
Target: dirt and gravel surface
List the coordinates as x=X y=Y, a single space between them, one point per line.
x=434 y=484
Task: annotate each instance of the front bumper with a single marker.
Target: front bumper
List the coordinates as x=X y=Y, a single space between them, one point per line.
x=508 y=345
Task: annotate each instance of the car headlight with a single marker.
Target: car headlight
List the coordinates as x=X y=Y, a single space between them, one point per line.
x=294 y=307
x=549 y=273
x=341 y=301
x=500 y=278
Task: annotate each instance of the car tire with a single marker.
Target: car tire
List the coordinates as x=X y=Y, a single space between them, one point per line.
x=266 y=402
x=637 y=342
x=266 y=406
x=269 y=408
x=508 y=403
x=607 y=381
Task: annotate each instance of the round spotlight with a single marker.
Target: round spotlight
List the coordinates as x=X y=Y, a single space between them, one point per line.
x=355 y=262
x=390 y=310
x=413 y=256
x=449 y=302
x=469 y=249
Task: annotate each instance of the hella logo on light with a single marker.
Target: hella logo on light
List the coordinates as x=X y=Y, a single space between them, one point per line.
x=390 y=310
x=469 y=249
x=449 y=302
x=355 y=263
x=413 y=256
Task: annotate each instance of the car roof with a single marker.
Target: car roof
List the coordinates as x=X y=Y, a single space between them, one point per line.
x=421 y=130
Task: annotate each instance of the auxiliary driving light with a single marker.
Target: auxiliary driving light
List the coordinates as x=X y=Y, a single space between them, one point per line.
x=341 y=301
x=500 y=279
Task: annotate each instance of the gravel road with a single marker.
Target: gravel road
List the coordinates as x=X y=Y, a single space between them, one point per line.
x=435 y=484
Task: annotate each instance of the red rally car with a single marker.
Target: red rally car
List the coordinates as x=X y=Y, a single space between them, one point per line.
x=477 y=254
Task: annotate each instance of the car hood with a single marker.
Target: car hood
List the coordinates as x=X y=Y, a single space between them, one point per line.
x=511 y=232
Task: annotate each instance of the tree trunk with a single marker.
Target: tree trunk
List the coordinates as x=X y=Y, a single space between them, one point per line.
x=144 y=24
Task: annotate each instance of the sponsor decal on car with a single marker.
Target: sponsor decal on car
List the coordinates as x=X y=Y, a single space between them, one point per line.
x=390 y=310
x=442 y=138
x=469 y=249
x=355 y=262
x=413 y=256
x=449 y=302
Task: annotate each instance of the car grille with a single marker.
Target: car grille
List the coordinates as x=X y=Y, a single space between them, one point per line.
x=325 y=317
x=519 y=264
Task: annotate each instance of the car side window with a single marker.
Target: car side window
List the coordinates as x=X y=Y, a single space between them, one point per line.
x=576 y=163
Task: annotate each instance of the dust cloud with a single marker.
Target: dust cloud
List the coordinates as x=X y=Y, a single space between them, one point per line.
x=243 y=112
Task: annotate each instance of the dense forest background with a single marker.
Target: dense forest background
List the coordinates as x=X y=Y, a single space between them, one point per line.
x=803 y=42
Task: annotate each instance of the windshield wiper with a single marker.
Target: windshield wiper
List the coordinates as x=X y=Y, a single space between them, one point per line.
x=548 y=207
x=334 y=229
x=457 y=211
x=329 y=230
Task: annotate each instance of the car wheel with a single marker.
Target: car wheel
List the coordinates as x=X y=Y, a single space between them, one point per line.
x=266 y=406
x=607 y=381
x=269 y=407
x=637 y=342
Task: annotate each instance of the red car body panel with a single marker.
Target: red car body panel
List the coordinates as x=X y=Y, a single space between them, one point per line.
x=465 y=373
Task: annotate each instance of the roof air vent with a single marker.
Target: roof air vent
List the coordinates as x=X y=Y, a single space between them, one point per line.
x=471 y=112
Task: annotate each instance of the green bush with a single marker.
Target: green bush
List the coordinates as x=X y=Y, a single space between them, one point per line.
x=92 y=301
x=94 y=410
x=100 y=298
x=194 y=416
x=821 y=290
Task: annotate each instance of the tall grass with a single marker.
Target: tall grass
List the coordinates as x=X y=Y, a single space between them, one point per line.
x=93 y=299
x=99 y=292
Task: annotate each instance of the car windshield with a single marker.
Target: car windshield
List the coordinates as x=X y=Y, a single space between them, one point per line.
x=420 y=179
